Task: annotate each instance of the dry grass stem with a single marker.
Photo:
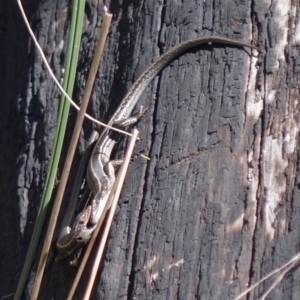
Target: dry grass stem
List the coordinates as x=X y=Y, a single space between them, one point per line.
x=292 y=261
x=115 y=194
x=54 y=78
x=69 y=158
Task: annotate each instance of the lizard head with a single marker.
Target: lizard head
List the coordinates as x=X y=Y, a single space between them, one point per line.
x=81 y=231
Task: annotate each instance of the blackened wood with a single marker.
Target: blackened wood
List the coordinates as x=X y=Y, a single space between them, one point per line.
x=217 y=207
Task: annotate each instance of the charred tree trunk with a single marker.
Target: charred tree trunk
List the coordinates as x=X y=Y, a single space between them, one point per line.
x=217 y=207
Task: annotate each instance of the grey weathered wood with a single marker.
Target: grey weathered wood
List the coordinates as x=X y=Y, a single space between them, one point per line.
x=28 y=117
x=217 y=207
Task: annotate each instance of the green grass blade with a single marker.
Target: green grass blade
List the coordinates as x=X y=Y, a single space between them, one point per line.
x=69 y=78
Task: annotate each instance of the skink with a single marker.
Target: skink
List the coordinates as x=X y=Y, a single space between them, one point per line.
x=100 y=171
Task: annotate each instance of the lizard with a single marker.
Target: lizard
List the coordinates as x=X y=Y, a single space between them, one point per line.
x=70 y=239
x=100 y=170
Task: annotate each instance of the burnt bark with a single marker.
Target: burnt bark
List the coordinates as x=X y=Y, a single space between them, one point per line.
x=217 y=207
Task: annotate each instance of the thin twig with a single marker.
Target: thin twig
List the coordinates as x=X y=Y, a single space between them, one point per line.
x=280 y=277
x=7 y=296
x=69 y=158
x=115 y=193
x=294 y=259
x=54 y=78
x=120 y=179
